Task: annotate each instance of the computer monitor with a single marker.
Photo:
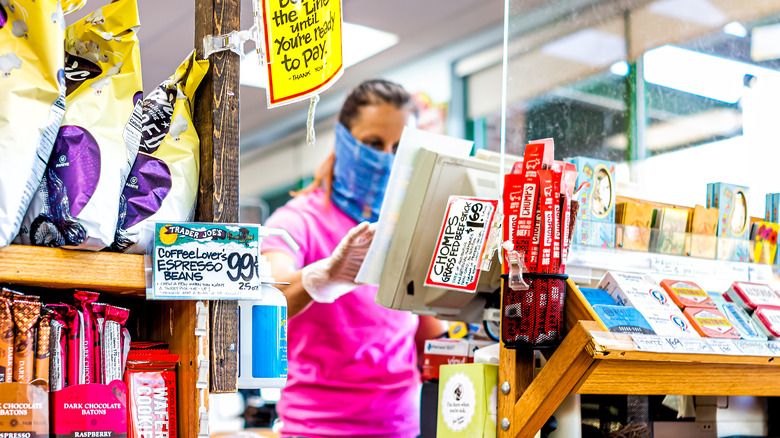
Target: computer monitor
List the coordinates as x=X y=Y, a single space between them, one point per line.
x=435 y=177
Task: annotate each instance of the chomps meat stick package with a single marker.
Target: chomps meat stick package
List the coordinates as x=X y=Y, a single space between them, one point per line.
x=26 y=314
x=32 y=102
x=163 y=183
x=98 y=141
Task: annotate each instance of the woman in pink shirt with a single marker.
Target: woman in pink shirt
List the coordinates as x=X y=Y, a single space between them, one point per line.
x=352 y=363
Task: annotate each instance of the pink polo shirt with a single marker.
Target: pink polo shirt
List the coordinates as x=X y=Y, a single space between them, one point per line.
x=352 y=364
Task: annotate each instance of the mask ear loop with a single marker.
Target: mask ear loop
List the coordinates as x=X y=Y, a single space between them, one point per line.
x=310 y=137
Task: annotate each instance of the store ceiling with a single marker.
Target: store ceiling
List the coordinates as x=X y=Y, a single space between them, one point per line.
x=167 y=34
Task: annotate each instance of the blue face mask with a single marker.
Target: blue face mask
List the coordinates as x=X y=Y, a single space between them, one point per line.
x=360 y=176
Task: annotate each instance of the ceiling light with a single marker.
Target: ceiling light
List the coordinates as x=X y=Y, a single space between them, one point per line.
x=704 y=75
x=692 y=11
x=591 y=47
x=359 y=43
x=735 y=28
x=620 y=68
x=765 y=43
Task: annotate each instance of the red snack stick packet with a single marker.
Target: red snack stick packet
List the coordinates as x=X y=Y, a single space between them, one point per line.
x=84 y=301
x=98 y=311
x=42 y=351
x=115 y=317
x=151 y=390
x=25 y=314
x=74 y=320
x=6 y=337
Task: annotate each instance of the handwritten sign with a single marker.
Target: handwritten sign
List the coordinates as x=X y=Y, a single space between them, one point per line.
x=302 y=46
x=462 y=239
x=199 y=261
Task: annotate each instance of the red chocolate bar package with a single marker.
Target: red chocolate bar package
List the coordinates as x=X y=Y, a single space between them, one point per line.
x=99 y=312
x=25 y=314
x=115 y=318
x=84 y=301
x=74 y=371
x=151 y=388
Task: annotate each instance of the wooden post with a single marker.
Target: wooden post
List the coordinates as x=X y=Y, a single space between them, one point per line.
x=216 y=120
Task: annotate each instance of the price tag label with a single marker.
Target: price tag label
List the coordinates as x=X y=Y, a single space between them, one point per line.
x=652 y=343
x=724 y=346
x=774 y=347
x=696 y=346
x=755 y=348
x=202 y=261
x=462 y=240
x=671 y=265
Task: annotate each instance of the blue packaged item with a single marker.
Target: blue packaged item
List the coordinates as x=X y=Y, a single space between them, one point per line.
x=718 y=298
x=596 y=216
x=262 y=339
x=597 y=296
x=622 y=319
x=742 y=322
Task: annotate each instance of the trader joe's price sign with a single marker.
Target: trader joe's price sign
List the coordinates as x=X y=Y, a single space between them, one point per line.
x=201 y=261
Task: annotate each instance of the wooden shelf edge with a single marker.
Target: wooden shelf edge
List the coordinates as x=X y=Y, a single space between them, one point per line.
x=65 y=269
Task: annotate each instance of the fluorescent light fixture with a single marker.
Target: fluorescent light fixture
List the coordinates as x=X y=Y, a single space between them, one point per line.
x=735 y=28
x=765 y=43
x=620 y=68
x=704 y=75
x=590 y=47
x=692 y=11
x=359 y=43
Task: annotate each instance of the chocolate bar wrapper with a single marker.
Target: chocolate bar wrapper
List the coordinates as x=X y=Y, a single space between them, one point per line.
x=84 y=301
x=112 y=345
x=99 y=312
x=58 y=339
x=6 y=340
x=74 y=374
x=25 y=314
x=151 y=376
x=42 y=350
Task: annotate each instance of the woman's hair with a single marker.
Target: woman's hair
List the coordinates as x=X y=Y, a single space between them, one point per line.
x=370 y=92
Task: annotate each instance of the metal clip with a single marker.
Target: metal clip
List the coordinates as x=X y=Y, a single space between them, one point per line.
x=516 y=266
x=202 y=319
x=233 y=41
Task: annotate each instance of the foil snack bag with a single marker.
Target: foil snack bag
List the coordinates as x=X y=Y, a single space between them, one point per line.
x=32 y=101
x=163 y=183
x=98 y=140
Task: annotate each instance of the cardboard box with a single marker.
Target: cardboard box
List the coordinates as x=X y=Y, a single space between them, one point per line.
x=711 y=323
x=687 y=294
x=764 y=237
x=24 y=410
x=752 y=295
x=635 y=290
x=703 y=231
x=622 y=319
x=636 y=220
x=670 y=224
x=596 y=216
x=438 y=352
x=468 y=401
x=768 y=319
x=733 y=220
x=669 y=322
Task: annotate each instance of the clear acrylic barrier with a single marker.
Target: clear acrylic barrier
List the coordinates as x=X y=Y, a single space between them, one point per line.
x=712 y=262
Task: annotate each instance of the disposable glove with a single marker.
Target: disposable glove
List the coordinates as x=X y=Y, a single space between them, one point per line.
x=330 y=278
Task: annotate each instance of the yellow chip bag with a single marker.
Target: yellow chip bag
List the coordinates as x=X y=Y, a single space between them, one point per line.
x=163 y=184
x=32 y=101
x=98 y=141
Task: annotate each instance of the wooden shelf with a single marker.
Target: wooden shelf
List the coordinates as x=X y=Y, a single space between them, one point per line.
x=67 y=269
x=609 y=364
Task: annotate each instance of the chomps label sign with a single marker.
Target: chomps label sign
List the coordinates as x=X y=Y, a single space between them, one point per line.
x=461 y=244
